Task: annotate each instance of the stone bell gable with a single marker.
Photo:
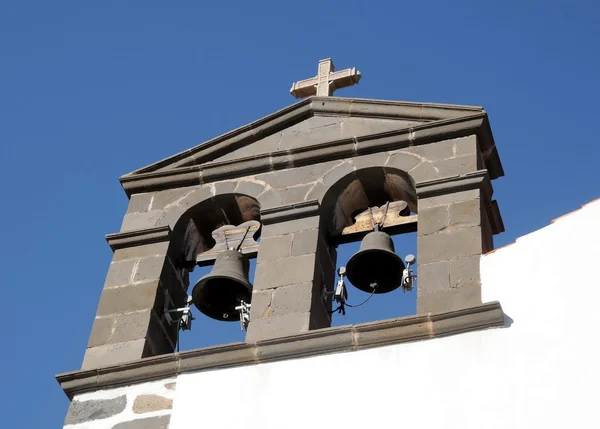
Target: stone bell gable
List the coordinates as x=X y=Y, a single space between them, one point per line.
x=302 y=173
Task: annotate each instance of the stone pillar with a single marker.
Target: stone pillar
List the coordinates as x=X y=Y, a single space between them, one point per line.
x=454 y=230
x=141 y=280
x=294 y=265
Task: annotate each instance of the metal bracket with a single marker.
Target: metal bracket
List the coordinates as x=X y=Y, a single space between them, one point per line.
x=185 y=320
x=408 y=278
x=244 y=310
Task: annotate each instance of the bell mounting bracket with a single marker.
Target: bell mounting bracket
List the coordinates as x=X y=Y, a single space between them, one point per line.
x=393 y=217
x=228 y=237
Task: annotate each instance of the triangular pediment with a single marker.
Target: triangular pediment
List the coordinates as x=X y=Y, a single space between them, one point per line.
x=315 y=121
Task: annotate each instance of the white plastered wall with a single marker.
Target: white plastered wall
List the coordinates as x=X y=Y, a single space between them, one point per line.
x=540 y=370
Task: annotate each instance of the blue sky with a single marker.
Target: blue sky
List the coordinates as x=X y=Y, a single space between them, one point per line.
x=92 y=90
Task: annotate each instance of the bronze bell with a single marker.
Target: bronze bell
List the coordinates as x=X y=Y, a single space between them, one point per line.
x=224 y=288
x=375 y=263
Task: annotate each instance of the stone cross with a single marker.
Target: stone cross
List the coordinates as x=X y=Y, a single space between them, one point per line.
x=326 y=81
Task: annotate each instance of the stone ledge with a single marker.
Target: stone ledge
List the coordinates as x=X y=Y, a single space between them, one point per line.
x=289 y=212
x=313 y=343
x=122 y=240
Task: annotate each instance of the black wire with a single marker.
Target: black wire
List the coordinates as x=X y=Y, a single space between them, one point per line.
x=177 y=335
x=365 y=301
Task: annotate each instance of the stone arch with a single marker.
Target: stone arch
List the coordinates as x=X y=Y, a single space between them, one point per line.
x=362 y=188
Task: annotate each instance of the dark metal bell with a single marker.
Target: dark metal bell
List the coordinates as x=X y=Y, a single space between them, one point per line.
x=375 y=263
x=224 y=288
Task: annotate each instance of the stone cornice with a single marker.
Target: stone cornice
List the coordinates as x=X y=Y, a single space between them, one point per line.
x=313 y=343
x=289 y=212
x=121 y=240
x=304 y=109
x=340 y=149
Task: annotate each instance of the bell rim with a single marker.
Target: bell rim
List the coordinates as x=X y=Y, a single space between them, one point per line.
x=349 y=269
x=202 y=280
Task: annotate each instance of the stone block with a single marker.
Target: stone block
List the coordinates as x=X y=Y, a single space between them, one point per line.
x=434 y=277
x=403 y=160
x=252 y=189
x=149 y=268
x=283 y=179
x=371 y=160
x=357 y=126
x=261 y=304
x=112 y=354
x=277 y=327
x=101 y=331
x=144 y=220
x=465 y=146
x=305 y=242
x=450 y=244
x=465 y=272
x=139 y=203
x=226 y=187
x=85 y=411
x=269 y=198
x=465 y=214
x=450 y=300
x=149 y=403
x=274 y=248
x=433 y=220
x=424 y=171
x=168 y=197
x=290 y=226
x=142 y=251
x=160 y=422
x=295 y=194
x=434 y=151
x=291 y=299
x=131 y=326
x=442 y=200
x=170 y=386
x=457 y=166
x=283 y=272
x=120 y=273
x=129 y=298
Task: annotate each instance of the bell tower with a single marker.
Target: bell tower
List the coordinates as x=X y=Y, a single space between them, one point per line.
x=287 y=189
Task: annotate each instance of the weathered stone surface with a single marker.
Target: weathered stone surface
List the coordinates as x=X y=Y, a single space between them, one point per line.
x=85 y=411
x=261 y=304
x=433 y=220
x=305 y=242
x=465 y=271
x=143 y=220
x=162 y=199
x=269 y=198
x=277 y=327
x=371 y=160
x=424 y=171
x=465 y=214
x=131 y=326
x=291 y=226
x=442 y=200
x=294 y=194
x=403 y=160
x=161 y=422
x=141 y=251
x=300 y=175
x=226 y=187
x=291 y=299
x=283 y=272
x=434 y=277
x=148 y=403
x=128 y=298
x=465 y=146
x=456 y=166
x=274 y=248
x=110 y=354
x=434 y=152
x=449 y=244
x=139 y=203
x=247 y=187
x=120 y=273
x=149 y=268
x=101 y=331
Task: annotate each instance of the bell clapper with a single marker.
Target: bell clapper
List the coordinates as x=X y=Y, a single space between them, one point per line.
x=244 y=310
x=408 y=278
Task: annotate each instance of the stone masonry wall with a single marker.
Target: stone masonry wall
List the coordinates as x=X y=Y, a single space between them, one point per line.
x=142 y=406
